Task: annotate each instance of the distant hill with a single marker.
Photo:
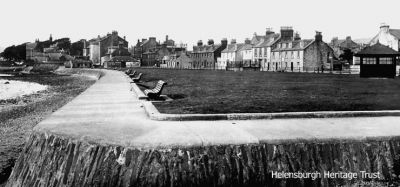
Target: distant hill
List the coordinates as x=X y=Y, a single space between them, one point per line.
x=362 y=40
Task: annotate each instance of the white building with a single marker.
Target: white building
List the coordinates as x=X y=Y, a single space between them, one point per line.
x=388 y=37
x=230 y=55
x=262 y=50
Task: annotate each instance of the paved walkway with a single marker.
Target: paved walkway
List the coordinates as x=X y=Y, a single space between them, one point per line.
x=110 y=113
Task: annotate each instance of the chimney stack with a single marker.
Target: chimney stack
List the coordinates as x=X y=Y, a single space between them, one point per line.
x=210 y=42
x=269 y=31
x=166 y=38
x=297 y=36
x=233 y=41
x=224 y=42
x=287 y=33
x=247 y=41
x=318 y=36
x=199 y=43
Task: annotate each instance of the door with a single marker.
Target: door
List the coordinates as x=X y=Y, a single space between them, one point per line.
x=291 y=66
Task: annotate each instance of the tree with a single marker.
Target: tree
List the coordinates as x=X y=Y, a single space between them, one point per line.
x=63 y=43
x=76 y=48
x=16 y=53
x=347 y=55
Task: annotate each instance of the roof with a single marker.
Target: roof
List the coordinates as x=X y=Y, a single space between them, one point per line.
x=245 y=47
x=268 y=40
x=98 y=39
x=206 y=48
x=395 y=33
x=296 y=45
x=121 y=52
x=233 y=47
x=378 y=49
x=348 y=44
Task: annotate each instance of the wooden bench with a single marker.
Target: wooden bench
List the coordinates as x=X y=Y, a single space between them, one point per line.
x=131 y=75
x=155 y=92
x=137 y=78
x=128 y=71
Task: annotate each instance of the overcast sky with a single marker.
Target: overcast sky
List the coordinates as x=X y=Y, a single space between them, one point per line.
x=190 y=20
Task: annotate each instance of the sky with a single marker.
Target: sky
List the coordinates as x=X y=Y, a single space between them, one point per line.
x=188 y=21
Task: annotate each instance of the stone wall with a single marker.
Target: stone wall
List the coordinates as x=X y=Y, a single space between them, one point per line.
x=50 y=160
x=316 y=55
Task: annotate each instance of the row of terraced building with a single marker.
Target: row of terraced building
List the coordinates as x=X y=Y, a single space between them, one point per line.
x=283 y=51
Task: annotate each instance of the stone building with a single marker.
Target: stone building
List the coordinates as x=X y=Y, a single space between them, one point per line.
x=145 y=46
x=178 y=60
x=97 y=49
x=299 y=55
x=151 y=52
x=205 y=56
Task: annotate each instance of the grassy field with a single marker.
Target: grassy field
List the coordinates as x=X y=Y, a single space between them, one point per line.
x=18 y=116
x=203 y=91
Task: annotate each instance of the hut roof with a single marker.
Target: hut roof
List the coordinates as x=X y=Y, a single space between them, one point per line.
x=378 y=49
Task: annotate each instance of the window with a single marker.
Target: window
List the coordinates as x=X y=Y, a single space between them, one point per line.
x=356 y=60
x=255 y=52
x=291 y=54
x=369 y=61
x=265 y=52
x=385 y=60
x=260 y=52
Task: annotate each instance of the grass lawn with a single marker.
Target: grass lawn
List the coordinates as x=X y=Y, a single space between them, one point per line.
x=205 y=91
x=18 y=116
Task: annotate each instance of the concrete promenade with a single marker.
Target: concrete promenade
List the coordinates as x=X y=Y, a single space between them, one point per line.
x=109 y=113
x=105 y=138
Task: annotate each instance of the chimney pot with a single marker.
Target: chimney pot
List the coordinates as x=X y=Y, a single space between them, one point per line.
x=384 y=27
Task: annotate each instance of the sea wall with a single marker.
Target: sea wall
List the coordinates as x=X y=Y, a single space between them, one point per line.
x=53 y=160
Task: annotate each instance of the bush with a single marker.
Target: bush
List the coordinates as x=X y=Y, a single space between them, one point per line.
x=45 y=67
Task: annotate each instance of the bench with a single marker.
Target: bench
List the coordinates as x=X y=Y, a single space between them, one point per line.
x=132 y=74
x=137 y=78
x=155 y=92
x=128 y=71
